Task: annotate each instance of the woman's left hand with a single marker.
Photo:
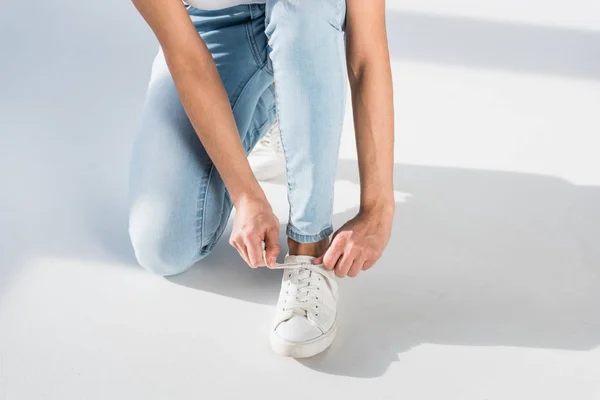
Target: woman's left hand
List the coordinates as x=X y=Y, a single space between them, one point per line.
x=359 y=243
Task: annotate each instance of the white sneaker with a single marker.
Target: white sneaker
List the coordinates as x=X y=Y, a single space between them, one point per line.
x=305 y=318
x=266 y=159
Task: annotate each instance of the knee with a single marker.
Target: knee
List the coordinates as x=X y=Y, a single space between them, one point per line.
x=158 y=255
x=158 y=247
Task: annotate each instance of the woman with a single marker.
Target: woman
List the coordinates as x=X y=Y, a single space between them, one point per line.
x=222 y=68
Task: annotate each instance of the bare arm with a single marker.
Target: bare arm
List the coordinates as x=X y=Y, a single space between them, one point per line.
x=201 y=92
x=370 y=78
x=206 y=103
x=359 y=243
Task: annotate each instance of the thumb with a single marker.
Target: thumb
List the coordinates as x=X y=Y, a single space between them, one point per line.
x=319 y=260
x=271 y=247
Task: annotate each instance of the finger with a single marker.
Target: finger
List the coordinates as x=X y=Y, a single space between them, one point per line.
x=255 y=253
x=241 y=251
x=335 y=234
x=343 y=265
x=356 y=267
x=333 y=253
x=272 y=247
x=319 y=260
x=367 y=265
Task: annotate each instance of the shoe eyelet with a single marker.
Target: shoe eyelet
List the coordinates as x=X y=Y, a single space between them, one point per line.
x=316 y=306
x=316 y=314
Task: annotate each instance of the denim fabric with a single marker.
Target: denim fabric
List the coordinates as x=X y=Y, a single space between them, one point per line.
x=179 y=206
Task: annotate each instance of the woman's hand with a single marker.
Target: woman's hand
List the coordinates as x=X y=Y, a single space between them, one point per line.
x=254 y=224
x=359 y=243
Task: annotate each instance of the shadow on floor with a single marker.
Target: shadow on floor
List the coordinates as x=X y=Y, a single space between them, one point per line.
x=476 y=258
x=497 y=45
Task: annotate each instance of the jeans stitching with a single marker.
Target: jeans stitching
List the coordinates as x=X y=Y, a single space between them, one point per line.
x=275 y=92
x=201 y=207
x=245 y=87
x=256 y=131
x=294 y=234
x=253 y=46
x=287 y=171
x=219 y=232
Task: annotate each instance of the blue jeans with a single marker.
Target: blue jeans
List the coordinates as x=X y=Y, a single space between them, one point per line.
x=179 y=206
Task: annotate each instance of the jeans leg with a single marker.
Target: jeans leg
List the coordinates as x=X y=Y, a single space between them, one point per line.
x=179 y=206
x=308 y=60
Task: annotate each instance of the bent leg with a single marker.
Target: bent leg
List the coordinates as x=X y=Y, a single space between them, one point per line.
x=179 y=206
x=308 y=59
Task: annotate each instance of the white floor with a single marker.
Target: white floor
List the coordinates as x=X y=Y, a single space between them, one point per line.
x=490 y=288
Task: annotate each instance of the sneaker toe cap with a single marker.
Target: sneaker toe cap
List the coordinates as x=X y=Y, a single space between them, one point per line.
x=298 y=329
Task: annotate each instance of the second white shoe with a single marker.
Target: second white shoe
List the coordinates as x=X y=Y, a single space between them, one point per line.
x=305 y=318
x=267 y=159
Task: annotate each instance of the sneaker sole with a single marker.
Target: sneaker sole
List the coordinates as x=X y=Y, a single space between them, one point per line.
x=302 y=349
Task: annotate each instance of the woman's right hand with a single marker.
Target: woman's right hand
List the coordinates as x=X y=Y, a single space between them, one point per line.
x=206 y=103
x=254 y=224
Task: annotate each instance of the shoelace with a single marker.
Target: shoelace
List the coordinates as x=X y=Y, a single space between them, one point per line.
x=307 y=279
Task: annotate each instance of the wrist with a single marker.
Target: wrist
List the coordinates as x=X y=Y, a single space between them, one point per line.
x=249 y=196
x=380 y=205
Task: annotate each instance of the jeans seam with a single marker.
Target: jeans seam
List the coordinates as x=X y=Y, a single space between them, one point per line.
x=294 y=234
x=287 y=172
x=201 y=208
x=244 y=88
x=254 y=46
x=285 y=155
x=205 y=249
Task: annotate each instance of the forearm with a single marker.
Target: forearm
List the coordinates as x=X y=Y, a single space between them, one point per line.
x=202 y=94
x=207 y=105
x=372 y=103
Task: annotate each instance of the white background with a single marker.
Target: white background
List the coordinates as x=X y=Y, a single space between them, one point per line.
x=489 y=289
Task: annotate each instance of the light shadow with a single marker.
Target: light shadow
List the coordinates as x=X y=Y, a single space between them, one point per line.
x=68 y=111
x=507 y=46
x=477 y=258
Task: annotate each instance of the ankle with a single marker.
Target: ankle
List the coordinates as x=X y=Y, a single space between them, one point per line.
x=315 y=249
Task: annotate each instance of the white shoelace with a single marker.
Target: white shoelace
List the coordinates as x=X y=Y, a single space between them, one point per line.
x=307 y=279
